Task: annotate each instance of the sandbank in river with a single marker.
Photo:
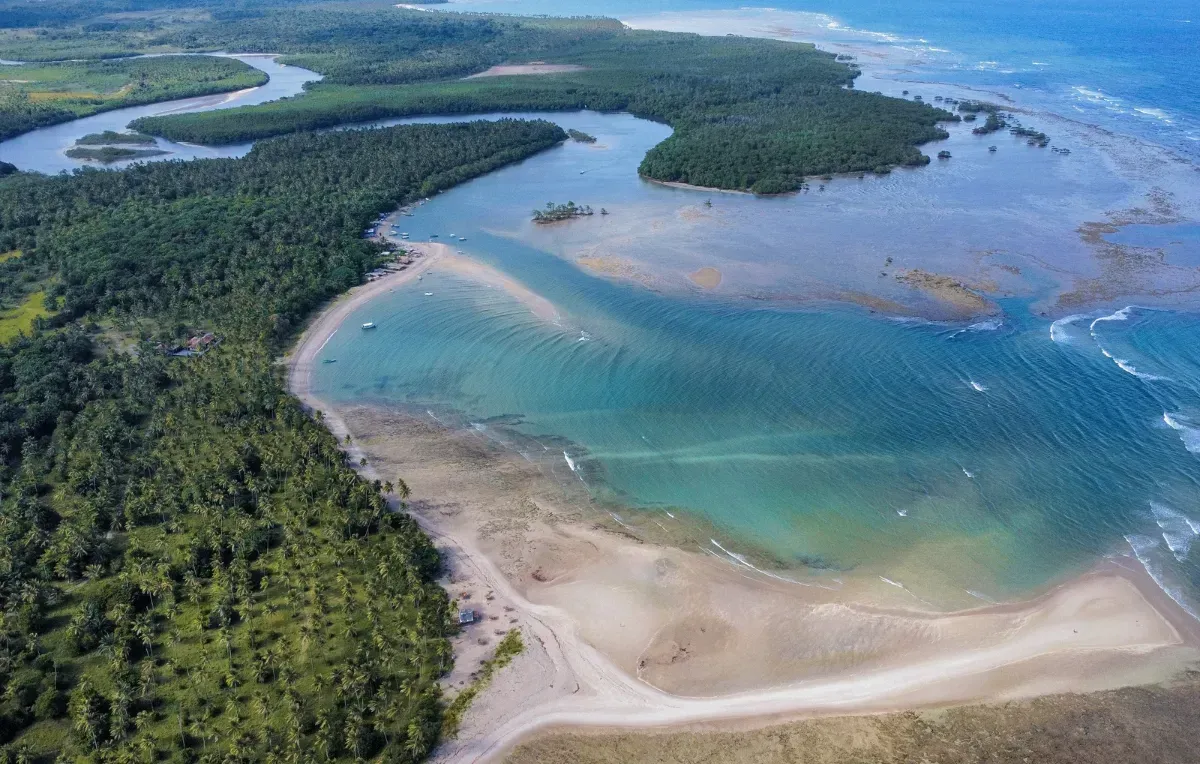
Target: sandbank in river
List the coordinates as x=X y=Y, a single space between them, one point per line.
x=625 y=633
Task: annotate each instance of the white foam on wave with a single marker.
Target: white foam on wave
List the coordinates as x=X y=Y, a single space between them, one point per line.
x=1158 y=114
x=1123 y=364
x=740 y=560
x=1058 y=329
x=583 y=337
x=1129 y=368
x=1188 y=432
x=1097 y=97
x=570 y=462
x=977 y=387
x=326 y=342
x=1178 y=530
x=1121 y=315
x=1143 y=548
x=968 y=473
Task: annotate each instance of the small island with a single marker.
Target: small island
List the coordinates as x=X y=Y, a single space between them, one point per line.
x=580 y=137
x=113 y=138
x=107 y=154
x=556 y=212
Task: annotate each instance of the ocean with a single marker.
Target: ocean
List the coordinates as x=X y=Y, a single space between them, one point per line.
x=1123 y=66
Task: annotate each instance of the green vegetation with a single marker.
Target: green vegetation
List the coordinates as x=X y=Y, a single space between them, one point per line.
x=37 y=95
x=192 y=569
x=111 y=138
x=510 y=647
x=23 y=318
x=555 y=212
x=580 y=137
x=108 y=154
x=747 y=113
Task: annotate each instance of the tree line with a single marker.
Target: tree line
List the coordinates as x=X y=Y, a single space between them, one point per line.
x=748 y=114
x=190 y=569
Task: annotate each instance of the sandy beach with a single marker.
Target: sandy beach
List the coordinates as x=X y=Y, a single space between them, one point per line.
x=629 y=634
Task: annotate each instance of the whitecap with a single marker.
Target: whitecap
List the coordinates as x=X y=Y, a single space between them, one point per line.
x=1058 y=331
x=1188 y=432
x=570 y=462
x=1121 y=315
x=902 y=512
x=1142 y=548
x=741 y=560
x=1178 y=530
x=1129 y=368
x=968 y=473
x=977 y=387
x=1158 y=114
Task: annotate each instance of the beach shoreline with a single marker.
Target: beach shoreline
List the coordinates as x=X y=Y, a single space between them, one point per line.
x=622 y=633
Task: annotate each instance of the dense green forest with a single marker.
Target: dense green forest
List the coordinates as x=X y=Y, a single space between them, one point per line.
x=37 y=95
x=190 y=568
x=747 y=113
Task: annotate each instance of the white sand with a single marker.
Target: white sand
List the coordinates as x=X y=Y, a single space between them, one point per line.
x=508 y=70
x=621 y=633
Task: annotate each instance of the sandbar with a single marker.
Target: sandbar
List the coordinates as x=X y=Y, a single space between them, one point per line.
x=706 y=278
x=622 y=632
x=508 y=70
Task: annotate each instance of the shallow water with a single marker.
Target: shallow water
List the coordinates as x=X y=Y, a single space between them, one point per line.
x=965 y=461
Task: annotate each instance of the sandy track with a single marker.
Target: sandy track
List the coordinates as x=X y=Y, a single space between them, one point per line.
x=604 y=616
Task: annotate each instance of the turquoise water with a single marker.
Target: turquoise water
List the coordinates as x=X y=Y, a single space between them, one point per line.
x=963 y=460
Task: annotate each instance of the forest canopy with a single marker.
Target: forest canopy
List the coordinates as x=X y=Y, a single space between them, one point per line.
x=747 y=113
x=191 y=570
x=37 y=95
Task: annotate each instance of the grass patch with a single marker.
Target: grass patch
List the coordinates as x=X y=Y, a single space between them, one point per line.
x=20 y=320
x=510 y=647
x=13 y=255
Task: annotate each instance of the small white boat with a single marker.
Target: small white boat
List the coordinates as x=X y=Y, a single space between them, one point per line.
x=429 y=294
x=369 y=325
x=462 y=238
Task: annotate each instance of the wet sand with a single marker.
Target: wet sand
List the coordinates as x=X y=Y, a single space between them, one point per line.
x=626 y=633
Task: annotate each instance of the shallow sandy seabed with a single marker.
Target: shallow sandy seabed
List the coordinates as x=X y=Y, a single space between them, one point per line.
x=625 y=633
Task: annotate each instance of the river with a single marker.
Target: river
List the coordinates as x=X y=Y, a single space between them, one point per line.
x=44 y=150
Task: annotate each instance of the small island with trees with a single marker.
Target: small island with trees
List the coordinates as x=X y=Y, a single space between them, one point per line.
x=556 y=212
x=113 y=138
x=580 y=137
x=107 y=154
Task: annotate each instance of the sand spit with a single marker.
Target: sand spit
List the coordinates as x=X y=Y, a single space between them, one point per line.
x=1145 y=724
x=706 y=278
x=622 y=633
x=627 y=634
x=537 y=67
x=485 y=274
